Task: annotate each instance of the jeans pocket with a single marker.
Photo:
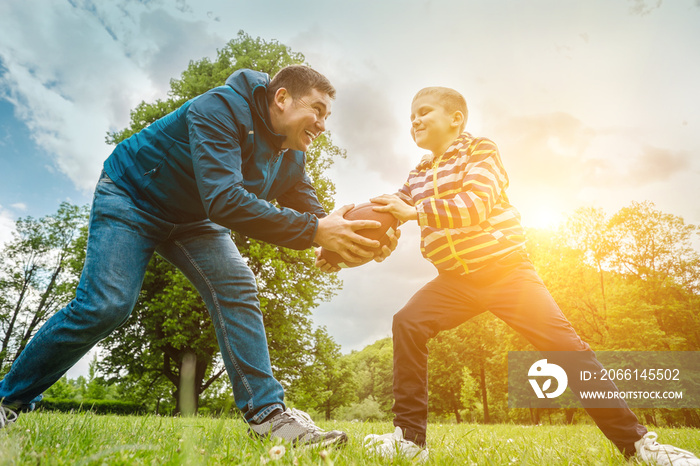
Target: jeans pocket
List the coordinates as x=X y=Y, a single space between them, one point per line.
x=104 y=178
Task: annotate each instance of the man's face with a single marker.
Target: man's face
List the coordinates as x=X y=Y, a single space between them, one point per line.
x=301 y=119
x=432 y=127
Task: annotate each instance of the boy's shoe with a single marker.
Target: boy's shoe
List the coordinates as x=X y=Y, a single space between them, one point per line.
x=296 y=426
x=652 y=452
x=392 y=445
x=7 y=416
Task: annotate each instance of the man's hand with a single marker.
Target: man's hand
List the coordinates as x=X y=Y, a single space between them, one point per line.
x=396 y=207
x=335 y=233
x=378 y=257
x=323 y=264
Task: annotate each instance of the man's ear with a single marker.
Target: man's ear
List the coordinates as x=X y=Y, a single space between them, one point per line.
x=282 y=97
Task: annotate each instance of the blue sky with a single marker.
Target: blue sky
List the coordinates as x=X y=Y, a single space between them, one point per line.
x=591 y=103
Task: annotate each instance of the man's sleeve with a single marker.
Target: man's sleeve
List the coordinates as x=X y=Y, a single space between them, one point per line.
x=303 y=198
x=469 y=202
x=216 y=158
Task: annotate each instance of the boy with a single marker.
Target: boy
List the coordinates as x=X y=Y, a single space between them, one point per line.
x=473 y=236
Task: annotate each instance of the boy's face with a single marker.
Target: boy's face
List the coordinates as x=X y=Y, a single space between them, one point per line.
x=432 y=126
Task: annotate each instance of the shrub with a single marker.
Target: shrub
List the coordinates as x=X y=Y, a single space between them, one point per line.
x=95 y=406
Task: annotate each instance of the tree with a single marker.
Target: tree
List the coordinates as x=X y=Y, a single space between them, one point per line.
x=170 y=321
x=326 y=382
x=373 y=371
x=478 y=347
x=587 y=231
x=38 y=274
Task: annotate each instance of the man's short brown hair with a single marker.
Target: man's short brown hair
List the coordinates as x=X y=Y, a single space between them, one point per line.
x=299 y=80
x=450 y=100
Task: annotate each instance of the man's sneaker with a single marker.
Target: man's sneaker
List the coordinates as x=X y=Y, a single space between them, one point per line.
x=7 y=416
x=296 y=426
x=392 y=445
x=652 y=452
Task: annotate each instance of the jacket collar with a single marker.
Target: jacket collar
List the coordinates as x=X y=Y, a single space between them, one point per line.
x=462 y=141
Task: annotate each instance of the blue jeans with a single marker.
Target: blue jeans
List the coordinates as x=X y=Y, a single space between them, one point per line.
x=122 y=238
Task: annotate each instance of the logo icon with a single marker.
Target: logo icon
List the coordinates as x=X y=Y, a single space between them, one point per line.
x=541 y=369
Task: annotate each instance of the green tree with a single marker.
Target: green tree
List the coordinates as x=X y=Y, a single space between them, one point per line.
x=326 y=382
x=61 y=390
x=39 y=269
x=373 y=372
x=587 y=231
x=169 y=324
x=478 y=346
x=170 y=321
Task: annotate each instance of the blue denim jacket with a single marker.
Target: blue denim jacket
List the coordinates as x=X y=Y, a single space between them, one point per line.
x=217 y=157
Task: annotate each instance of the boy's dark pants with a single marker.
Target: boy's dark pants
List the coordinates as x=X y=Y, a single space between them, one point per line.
x=510 y=289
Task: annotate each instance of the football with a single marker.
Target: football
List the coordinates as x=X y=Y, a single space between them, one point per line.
x=365 y=211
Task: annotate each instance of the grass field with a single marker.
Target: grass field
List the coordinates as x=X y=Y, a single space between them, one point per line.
x=41 y=438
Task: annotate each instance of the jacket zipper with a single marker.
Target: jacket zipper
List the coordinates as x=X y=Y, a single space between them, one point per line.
x=448 y=236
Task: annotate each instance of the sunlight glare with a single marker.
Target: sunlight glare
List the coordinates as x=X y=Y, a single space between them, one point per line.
x=542 y=217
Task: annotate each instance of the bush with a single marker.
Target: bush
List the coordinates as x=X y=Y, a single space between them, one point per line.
x=95 y=406
x=366 y=410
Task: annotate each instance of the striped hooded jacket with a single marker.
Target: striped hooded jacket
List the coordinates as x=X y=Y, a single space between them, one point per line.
x=464 y=215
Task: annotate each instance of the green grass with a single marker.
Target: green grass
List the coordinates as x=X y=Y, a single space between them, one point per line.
x=41 y=438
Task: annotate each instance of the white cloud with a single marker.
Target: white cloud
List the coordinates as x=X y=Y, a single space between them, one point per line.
x=7 y=226
x=74 y=70
x=362 y=311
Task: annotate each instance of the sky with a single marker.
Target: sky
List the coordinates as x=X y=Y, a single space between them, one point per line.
x=592 y=104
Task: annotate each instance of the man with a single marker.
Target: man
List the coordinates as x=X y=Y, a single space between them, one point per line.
x=177 y=188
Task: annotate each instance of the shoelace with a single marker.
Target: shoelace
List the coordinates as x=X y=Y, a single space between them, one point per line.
x=303 y=418
x=652 y=445
x=7 y=416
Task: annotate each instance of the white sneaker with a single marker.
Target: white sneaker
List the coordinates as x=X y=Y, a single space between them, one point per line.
x=391 y=445
x=652 y=452
x=7 y=416
x=295 y=426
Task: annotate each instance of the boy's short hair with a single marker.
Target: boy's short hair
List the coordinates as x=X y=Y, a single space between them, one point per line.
x=450 y=100
x=299 y=80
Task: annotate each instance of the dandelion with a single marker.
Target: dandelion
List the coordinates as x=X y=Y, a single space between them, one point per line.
x=277 y=452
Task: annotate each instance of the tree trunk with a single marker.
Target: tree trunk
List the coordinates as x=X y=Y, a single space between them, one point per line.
x=484 y=395
x=569 y=415
x=188 y=398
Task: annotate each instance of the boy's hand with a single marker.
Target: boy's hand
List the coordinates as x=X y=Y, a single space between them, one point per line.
x=335 y=233
x=387 y=250
x=396 y=207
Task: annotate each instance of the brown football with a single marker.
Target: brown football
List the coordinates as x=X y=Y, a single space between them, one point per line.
x=389 y=224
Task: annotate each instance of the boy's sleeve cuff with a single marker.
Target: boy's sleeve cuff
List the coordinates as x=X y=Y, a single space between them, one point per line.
x=422 y=216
